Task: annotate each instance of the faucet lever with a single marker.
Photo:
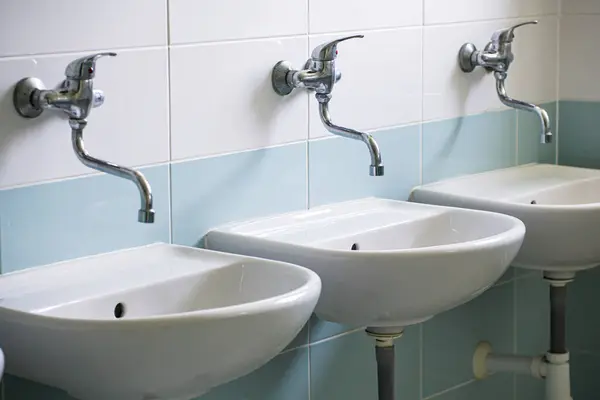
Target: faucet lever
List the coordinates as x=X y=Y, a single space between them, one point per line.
x=328 y=51
x=496 y=56
x=507 y=35
x=85 y=67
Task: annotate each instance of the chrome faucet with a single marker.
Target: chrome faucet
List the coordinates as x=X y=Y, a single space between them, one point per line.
x=497 y=56
x=320 y=74
x=76 y=98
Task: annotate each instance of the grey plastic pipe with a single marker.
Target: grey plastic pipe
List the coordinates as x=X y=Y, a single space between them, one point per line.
x=385 y=372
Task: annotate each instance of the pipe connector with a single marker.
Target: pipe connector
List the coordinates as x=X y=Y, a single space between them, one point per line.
x=384 y=337
x=485 y=362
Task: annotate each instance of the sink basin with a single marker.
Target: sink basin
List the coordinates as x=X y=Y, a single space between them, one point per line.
x=560 y=207
x=154 y=322
x=410 y=262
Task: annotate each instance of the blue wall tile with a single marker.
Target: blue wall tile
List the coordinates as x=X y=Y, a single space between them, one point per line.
x=449 y=339
x=531 y=150
x=22 y=389
x=320 y=329
x=212 y=191
x=73 y=218
x=532 y=319
x=532 y=315
x=507 y=276
x=584 y=376
x=284 y=378
x=468 y=145
x=339 y=167
x=583 y=326
x=301 y=338
x=579 y=130
x=344 y=368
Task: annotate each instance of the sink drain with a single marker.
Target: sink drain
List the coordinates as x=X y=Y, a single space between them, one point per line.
x=533 y=202
x=355 y=246
x=119 y=310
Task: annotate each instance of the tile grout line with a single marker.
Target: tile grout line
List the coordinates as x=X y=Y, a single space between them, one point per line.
x=309 y=348
x=421 y=125
x=307 y=116
x=273 y=37
x=337 y=336
x=515 y=335
x=422 y=101
x=12 y=57
x=445 y=391
x=170 y=124
x=517 y=117
x=421 y=348
x=558 y=71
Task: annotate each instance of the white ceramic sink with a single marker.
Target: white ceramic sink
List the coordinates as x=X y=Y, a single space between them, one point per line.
x=413 y=261
x=154 y=322
x=563 y=223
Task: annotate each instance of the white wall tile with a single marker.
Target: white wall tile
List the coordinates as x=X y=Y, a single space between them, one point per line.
x=381 y=81
x=447 y=91
x=344 y=15
x=131 y=127
x=533 y=75
x=581 y=7
x=34 y=27
x=193 y=21
x=579 y=57
x=222 y=99
x=445 y=11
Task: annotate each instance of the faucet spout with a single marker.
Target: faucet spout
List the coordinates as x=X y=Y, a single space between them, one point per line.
x=546 y=131
x=146 y=212
x=376 y=168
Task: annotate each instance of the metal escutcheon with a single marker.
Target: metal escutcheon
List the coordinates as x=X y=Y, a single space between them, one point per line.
x=465 y=57
x=279 y=78
x=22 y=93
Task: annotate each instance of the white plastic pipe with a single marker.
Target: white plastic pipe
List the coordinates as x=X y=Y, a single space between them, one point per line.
x=485 y=363
x=558 y=383
x=517 y=364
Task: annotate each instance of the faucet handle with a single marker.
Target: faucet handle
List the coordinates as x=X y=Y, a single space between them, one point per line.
x=85 y=67
x=328 y=51
x=507 y=35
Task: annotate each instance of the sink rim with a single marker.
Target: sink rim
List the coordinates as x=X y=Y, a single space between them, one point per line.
x=306 y=290
x=431 y=187
x=517 y=229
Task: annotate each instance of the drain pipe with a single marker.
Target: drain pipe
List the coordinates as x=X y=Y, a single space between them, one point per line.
x=385 y=356
x=558 y=382
x=553 y=367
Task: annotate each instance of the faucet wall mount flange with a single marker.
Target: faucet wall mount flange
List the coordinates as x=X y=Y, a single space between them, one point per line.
x=23 y=94
x=279 y=76
x=465 y=57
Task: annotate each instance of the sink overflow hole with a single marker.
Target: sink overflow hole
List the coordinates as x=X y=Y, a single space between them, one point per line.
x=533 y=202
x=355 y=246
x=119 y=310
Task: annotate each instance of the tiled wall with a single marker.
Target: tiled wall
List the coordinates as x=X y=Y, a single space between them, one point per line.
x=189 y=101
x=580 y=146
